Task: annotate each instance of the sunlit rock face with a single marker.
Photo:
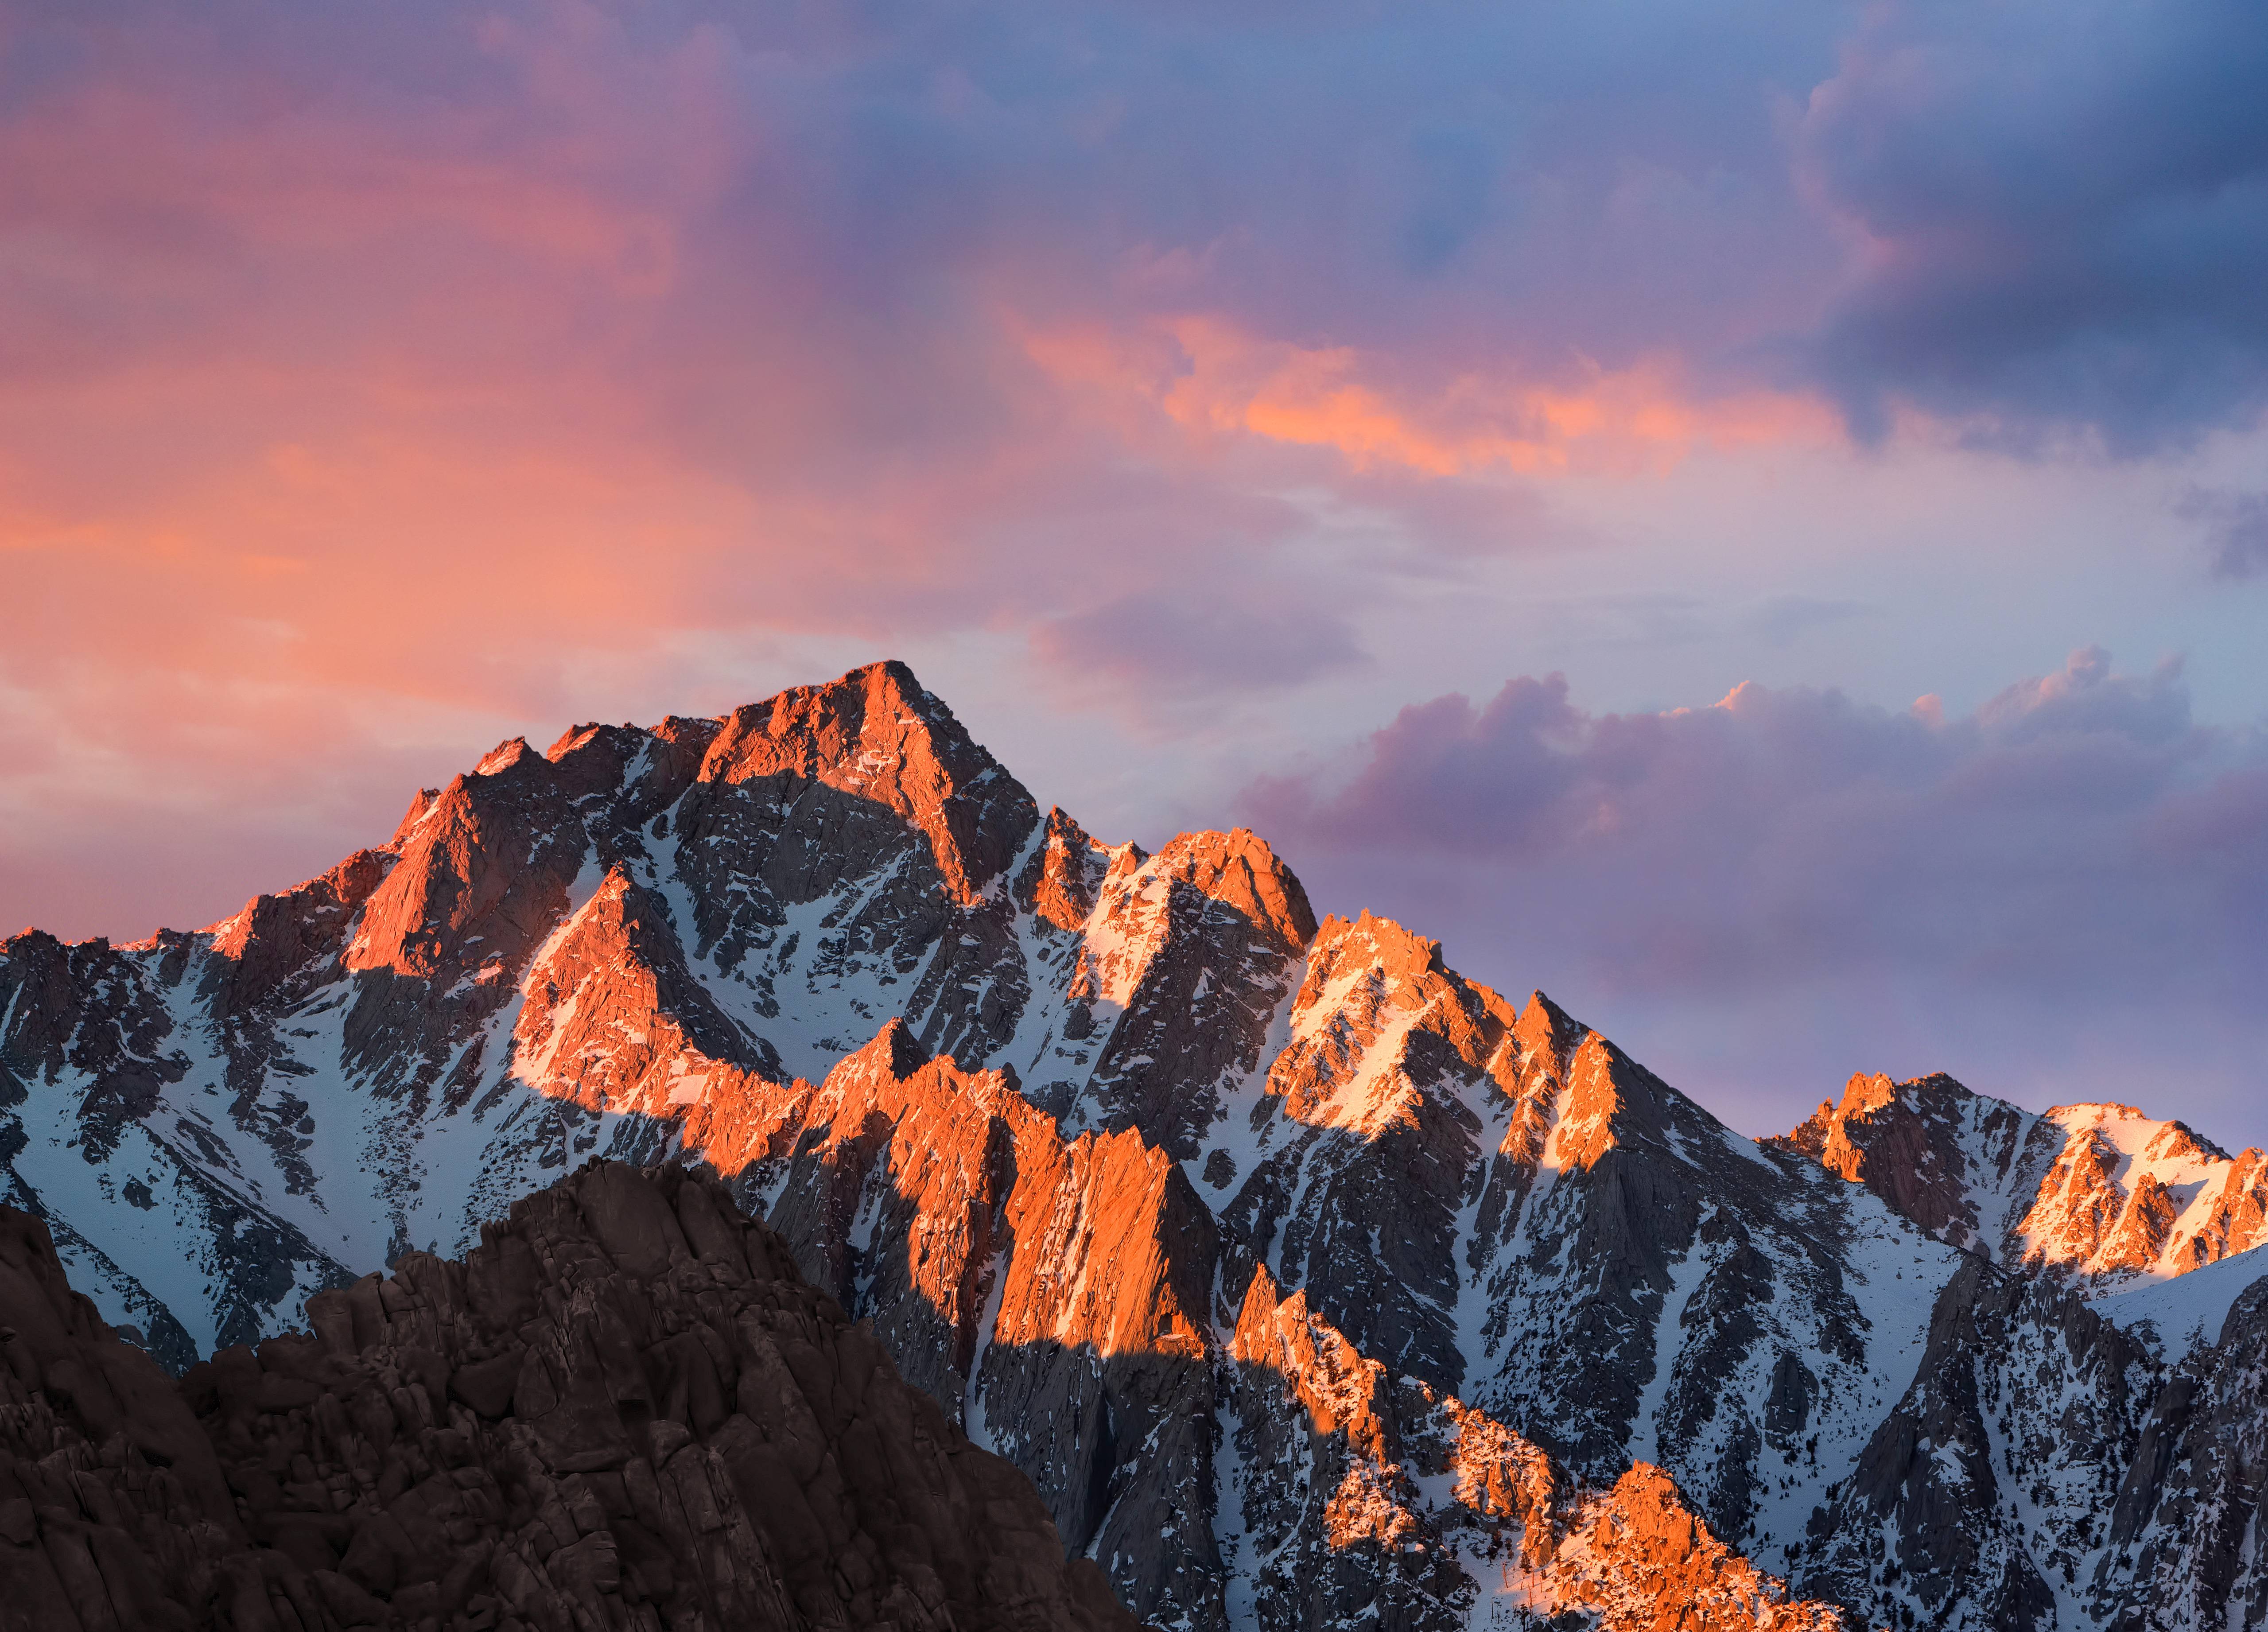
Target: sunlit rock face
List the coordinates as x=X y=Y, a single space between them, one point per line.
x=1089 y=1134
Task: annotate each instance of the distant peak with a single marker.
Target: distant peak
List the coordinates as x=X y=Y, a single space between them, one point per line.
x=2087 y=1113
x=1400 y=951
x=1060 y=879
x=1239 y=868
x=502 y=757
x=1934 y=1093
x=894 y=1049
x=573 y=738
x=2169 y=1138
x=886 y=685
x=420 y=806
x=1544 y=1028
x=876 y=735
x=1865 y=1093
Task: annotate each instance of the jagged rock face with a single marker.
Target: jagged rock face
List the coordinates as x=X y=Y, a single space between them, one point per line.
x=2186 y=1545
x=1950 y=1160
x=1042 y=1109
x=2048 y=1469
x=2100 y=1193
x=1982 y=1494
x=1361 y=1499
x=2129 y=1198
x=1325 y=1523
x=1502 y=1204
x=1052 y=1294
x=625 y=1409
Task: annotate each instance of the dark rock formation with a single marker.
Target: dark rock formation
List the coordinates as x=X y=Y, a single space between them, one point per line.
x=624 y=1409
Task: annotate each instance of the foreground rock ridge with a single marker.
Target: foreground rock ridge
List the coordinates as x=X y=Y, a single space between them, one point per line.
x=1136 y=1168
x=624 y=1409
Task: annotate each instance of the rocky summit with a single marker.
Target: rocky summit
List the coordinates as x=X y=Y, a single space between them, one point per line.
x=1302 y=1281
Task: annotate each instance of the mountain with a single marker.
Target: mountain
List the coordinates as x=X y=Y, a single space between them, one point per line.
x=624 y=1409
x=2099 y=1193
x=1075 y=1126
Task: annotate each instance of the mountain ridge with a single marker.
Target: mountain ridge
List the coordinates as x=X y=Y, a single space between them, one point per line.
x=948 y=1044
x=2095 y=1191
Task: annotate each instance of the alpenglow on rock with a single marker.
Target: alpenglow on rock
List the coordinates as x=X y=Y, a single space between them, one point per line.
x=1065 y=1119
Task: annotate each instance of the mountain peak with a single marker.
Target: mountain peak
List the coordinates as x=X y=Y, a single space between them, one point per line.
x=875 y=734
x=894 y=1050
x=1402 y=954
x=1239 y=870
x=2134 y=1133
x=1941 y=1155
x=976 y=1067
x=502 y=757
x=1545 y=1030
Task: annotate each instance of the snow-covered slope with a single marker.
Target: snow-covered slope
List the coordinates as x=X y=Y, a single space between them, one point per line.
x=2187 y=1313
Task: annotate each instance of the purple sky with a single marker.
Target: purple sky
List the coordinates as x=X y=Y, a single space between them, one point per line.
x=1528 y=459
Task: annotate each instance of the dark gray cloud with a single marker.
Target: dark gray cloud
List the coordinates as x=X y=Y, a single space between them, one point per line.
x=2064 y=210
x=2236 y=528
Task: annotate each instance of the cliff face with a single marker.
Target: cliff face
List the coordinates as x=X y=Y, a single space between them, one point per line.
x=624 y=1409
x=1050 y=1293
x=2048 y=1468
x=2185 y=1525
x=1046 y=1110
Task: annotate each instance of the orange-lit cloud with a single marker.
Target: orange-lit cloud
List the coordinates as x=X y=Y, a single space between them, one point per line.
x=1212 y=378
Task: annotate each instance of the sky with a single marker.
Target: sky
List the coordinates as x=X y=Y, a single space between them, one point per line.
x=1752 y=517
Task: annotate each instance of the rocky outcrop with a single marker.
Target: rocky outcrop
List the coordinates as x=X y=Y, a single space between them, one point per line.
x=1981 y=1493
x=1500 y=1203
x=2129 y=1198
x=2184 y=1545
x=1358 y=1497
x=624 y=1409
x=2048 y=1469
x=1941 y=1156
x=2100 y=1194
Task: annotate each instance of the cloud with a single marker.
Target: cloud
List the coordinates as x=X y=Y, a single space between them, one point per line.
x=2237 y=525
x=2076 y=853
x=443 y=369
x=2060 y=213
x=1785 y=619
x=1199 y=642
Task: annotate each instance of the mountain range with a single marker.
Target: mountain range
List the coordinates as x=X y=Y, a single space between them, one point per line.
x=1306 y=1281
